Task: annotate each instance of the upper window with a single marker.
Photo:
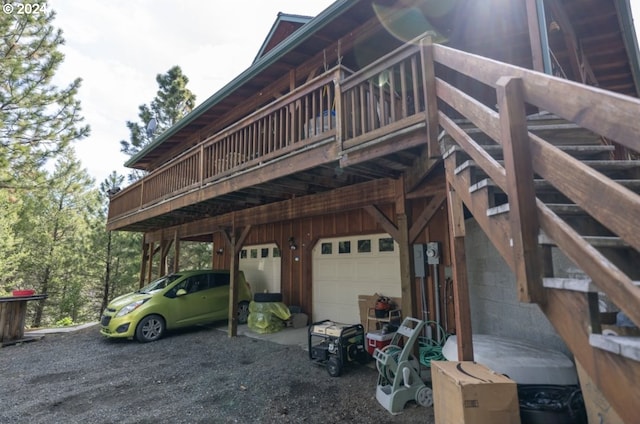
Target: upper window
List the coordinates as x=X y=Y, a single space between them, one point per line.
x=253 y=253
x=264 y=252
x=344 y=247
x=364 y=246
x=385 y=245
x=326 y=248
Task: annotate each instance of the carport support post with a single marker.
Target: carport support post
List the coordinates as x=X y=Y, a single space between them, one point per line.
x=457 y=233
x=406 y=274
x=234 y=268
x=235 y=245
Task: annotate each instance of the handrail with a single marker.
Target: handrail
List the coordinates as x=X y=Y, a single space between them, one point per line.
x=600 y=111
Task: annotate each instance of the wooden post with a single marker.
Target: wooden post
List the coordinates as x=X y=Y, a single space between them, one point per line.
x=150 y=261
x=338 y=108
x=431 y=98
x=176 y=259
x=522 y=197
x=236 y=243
x=460 y=282
x=144 y=248
x=233 y=287
x=407 y=275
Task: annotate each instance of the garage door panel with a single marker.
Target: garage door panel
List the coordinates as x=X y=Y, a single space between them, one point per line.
x=339 y=278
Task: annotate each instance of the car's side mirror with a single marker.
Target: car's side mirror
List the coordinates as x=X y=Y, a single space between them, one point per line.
x=181 y=292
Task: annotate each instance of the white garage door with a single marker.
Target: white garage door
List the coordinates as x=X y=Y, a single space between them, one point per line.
x=346 y=267
x=261 y=267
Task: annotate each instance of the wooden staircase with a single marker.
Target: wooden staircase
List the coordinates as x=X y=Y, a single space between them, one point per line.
x=571 y=300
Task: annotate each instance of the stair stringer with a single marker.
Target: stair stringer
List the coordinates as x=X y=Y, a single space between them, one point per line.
x=616 y=376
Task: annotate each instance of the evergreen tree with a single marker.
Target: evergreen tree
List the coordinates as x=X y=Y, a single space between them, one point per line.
x=173 y=101
x=38 y=120
x=58 y=256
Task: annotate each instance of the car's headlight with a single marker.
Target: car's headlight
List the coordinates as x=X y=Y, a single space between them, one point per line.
x=131 y=307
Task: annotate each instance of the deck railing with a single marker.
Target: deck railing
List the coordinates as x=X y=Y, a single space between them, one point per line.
x=297 y=119
x=387 y=93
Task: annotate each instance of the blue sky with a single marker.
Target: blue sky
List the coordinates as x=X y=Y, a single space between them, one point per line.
x=119 y=46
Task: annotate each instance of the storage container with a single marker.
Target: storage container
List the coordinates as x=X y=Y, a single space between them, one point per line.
x=376 y=339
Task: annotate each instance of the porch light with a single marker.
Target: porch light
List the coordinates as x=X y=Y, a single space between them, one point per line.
x=292 y=243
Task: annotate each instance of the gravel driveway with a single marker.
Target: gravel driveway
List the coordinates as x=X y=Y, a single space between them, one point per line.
x=194 y=376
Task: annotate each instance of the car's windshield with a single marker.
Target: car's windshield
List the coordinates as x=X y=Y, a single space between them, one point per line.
x=159 y=284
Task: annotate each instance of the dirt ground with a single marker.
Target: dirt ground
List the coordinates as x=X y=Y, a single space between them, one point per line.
x=195 y=376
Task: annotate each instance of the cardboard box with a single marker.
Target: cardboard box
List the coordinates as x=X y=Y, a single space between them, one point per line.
x=471 y=393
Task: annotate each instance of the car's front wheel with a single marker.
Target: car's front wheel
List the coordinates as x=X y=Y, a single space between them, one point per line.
x=243 y=312
x=150 y=328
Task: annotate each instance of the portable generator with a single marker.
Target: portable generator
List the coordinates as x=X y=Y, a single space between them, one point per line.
x=335 y=345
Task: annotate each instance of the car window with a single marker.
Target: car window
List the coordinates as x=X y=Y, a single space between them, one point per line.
x=159 y=284
x=219 y=280
x=198 y=283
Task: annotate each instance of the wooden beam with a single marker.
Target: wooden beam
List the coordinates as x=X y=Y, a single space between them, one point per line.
x=383 y=220
x=431 y=187
x=234 y=269
x=241 y=239
x=150 y=263
x=520 y=189
x=422 y=166
x=176 y=243
x=615 y=376
x=425 y=216
x=380 y=192
x=460 y=282
x=407 y=280
x=143 y=262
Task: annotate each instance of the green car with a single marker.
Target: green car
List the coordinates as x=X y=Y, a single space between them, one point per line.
x=177 y=300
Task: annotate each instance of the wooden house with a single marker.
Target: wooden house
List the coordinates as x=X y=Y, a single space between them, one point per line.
x=505 y=132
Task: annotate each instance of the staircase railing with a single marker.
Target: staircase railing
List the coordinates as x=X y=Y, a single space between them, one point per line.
x=607 y=114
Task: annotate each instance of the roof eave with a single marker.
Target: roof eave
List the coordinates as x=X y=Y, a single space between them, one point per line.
x=630 y=40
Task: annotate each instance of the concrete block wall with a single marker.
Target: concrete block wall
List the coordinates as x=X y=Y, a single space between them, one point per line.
x=495 y=308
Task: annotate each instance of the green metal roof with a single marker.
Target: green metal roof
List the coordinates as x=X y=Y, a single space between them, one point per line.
x=303 y=33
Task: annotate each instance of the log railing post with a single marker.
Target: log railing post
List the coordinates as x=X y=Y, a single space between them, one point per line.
x=430 y=96
x=520 y=189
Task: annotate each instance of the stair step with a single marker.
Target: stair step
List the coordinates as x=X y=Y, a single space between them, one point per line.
x=595 y=241
x=565 y=209
x=498 y=210
x=629 y=347
x=584 y=285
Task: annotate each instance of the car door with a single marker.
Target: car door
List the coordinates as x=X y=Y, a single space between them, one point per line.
x=218 y=296
x=192 y=308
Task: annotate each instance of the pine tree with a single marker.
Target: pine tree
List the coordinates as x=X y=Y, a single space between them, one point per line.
x=38 y=120
x=173 y=101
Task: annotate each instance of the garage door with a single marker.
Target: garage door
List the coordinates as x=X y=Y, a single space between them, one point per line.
x=261 y=267
x=346 y=267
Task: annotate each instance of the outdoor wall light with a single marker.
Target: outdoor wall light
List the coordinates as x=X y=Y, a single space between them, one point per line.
x=220 y=251
x=292 y=243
